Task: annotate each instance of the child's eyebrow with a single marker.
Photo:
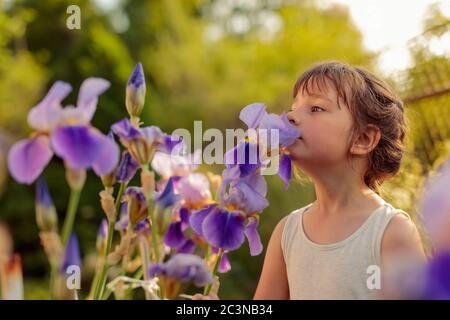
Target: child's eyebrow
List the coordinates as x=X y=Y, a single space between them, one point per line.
x=318 y=95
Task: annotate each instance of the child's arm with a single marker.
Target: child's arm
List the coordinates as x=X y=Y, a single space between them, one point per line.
x=273 y=283
x=401 y=241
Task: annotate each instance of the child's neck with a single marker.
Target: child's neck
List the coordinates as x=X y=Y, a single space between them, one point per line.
x=344 y=193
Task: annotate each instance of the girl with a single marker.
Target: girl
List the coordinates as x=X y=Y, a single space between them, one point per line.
x=341 y=245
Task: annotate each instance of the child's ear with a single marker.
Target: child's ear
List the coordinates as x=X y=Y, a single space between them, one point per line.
x=366 y=141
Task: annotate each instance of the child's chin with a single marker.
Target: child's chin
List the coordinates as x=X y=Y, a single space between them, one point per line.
x=297 y=157
x=295 y=147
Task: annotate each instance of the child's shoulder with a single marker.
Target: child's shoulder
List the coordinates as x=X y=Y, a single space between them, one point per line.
x=291 y=217
x=401 y=232
x=298 y=211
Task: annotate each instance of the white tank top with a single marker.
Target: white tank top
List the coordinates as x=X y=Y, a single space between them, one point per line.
x=339 y=270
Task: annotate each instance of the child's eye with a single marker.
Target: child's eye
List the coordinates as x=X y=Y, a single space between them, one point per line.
x=317 y=109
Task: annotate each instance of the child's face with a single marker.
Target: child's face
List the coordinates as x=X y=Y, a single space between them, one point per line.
x=325 y=128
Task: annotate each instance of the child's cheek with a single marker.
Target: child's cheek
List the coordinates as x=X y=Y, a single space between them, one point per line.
x=327 y=142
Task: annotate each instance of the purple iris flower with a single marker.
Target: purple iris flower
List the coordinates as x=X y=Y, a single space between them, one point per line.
x=225 y=229
x=101 y=235
x=251 y=232
x=246 y=194
x=66 y=132
x=183 y=268
x=176 y=236
x=127 y=168
x=198 y=217
x=169 y=165
x=246 y=156
x=187 y=247
x=72 y=255
x=122 y=223
x=103 y=229
x=171 y=143
x=226 y=225
x=141 y=227
x=167 y=197
x=43 y=197
x=435 y=207
x=136 y=203
x=142 y=143
x=224 y=264
x=255 y=116
x=28 y=158
x=285 y=169
x=194 y=189
x=125 y=130
x=437 y=278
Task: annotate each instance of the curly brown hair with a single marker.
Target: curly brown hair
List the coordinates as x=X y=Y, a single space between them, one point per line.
x=370 y=101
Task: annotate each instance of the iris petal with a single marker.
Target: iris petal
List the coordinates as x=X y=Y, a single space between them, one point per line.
x=224 y=229
x=167 y=197
x=43 y=116
x=285 y=169
x=174 y=236
x=187 y=247
x=28 y=158
x=246 y=198
x=224 y=265
x=107 y=156
x=252 y=114
x=125 y=130
x=77 y=145
x=287 y=133
x=90 y=89
x=245 y=155
x=198 y=217
x=127 y=168
x=254 y=241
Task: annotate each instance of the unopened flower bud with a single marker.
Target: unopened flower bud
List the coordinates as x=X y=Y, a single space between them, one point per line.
x=101 y=236
x=135 y=92
x=46 y=216
x=108 y=206
x=137 y=205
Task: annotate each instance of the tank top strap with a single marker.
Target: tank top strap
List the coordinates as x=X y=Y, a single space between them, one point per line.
x=290 y=229
x=379 y=226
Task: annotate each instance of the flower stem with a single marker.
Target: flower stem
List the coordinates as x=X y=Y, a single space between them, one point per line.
x=216 y=266
x=94 y=282
x=154 y=228
x=66 y=231
x=100 y=285
x=70 y=215
x=144 y=250
x=53 y=272
x=154 y=223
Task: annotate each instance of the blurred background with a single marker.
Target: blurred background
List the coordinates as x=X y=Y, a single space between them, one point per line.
x=205 y=60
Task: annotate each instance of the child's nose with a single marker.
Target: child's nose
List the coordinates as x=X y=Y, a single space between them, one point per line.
x=292 y=118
